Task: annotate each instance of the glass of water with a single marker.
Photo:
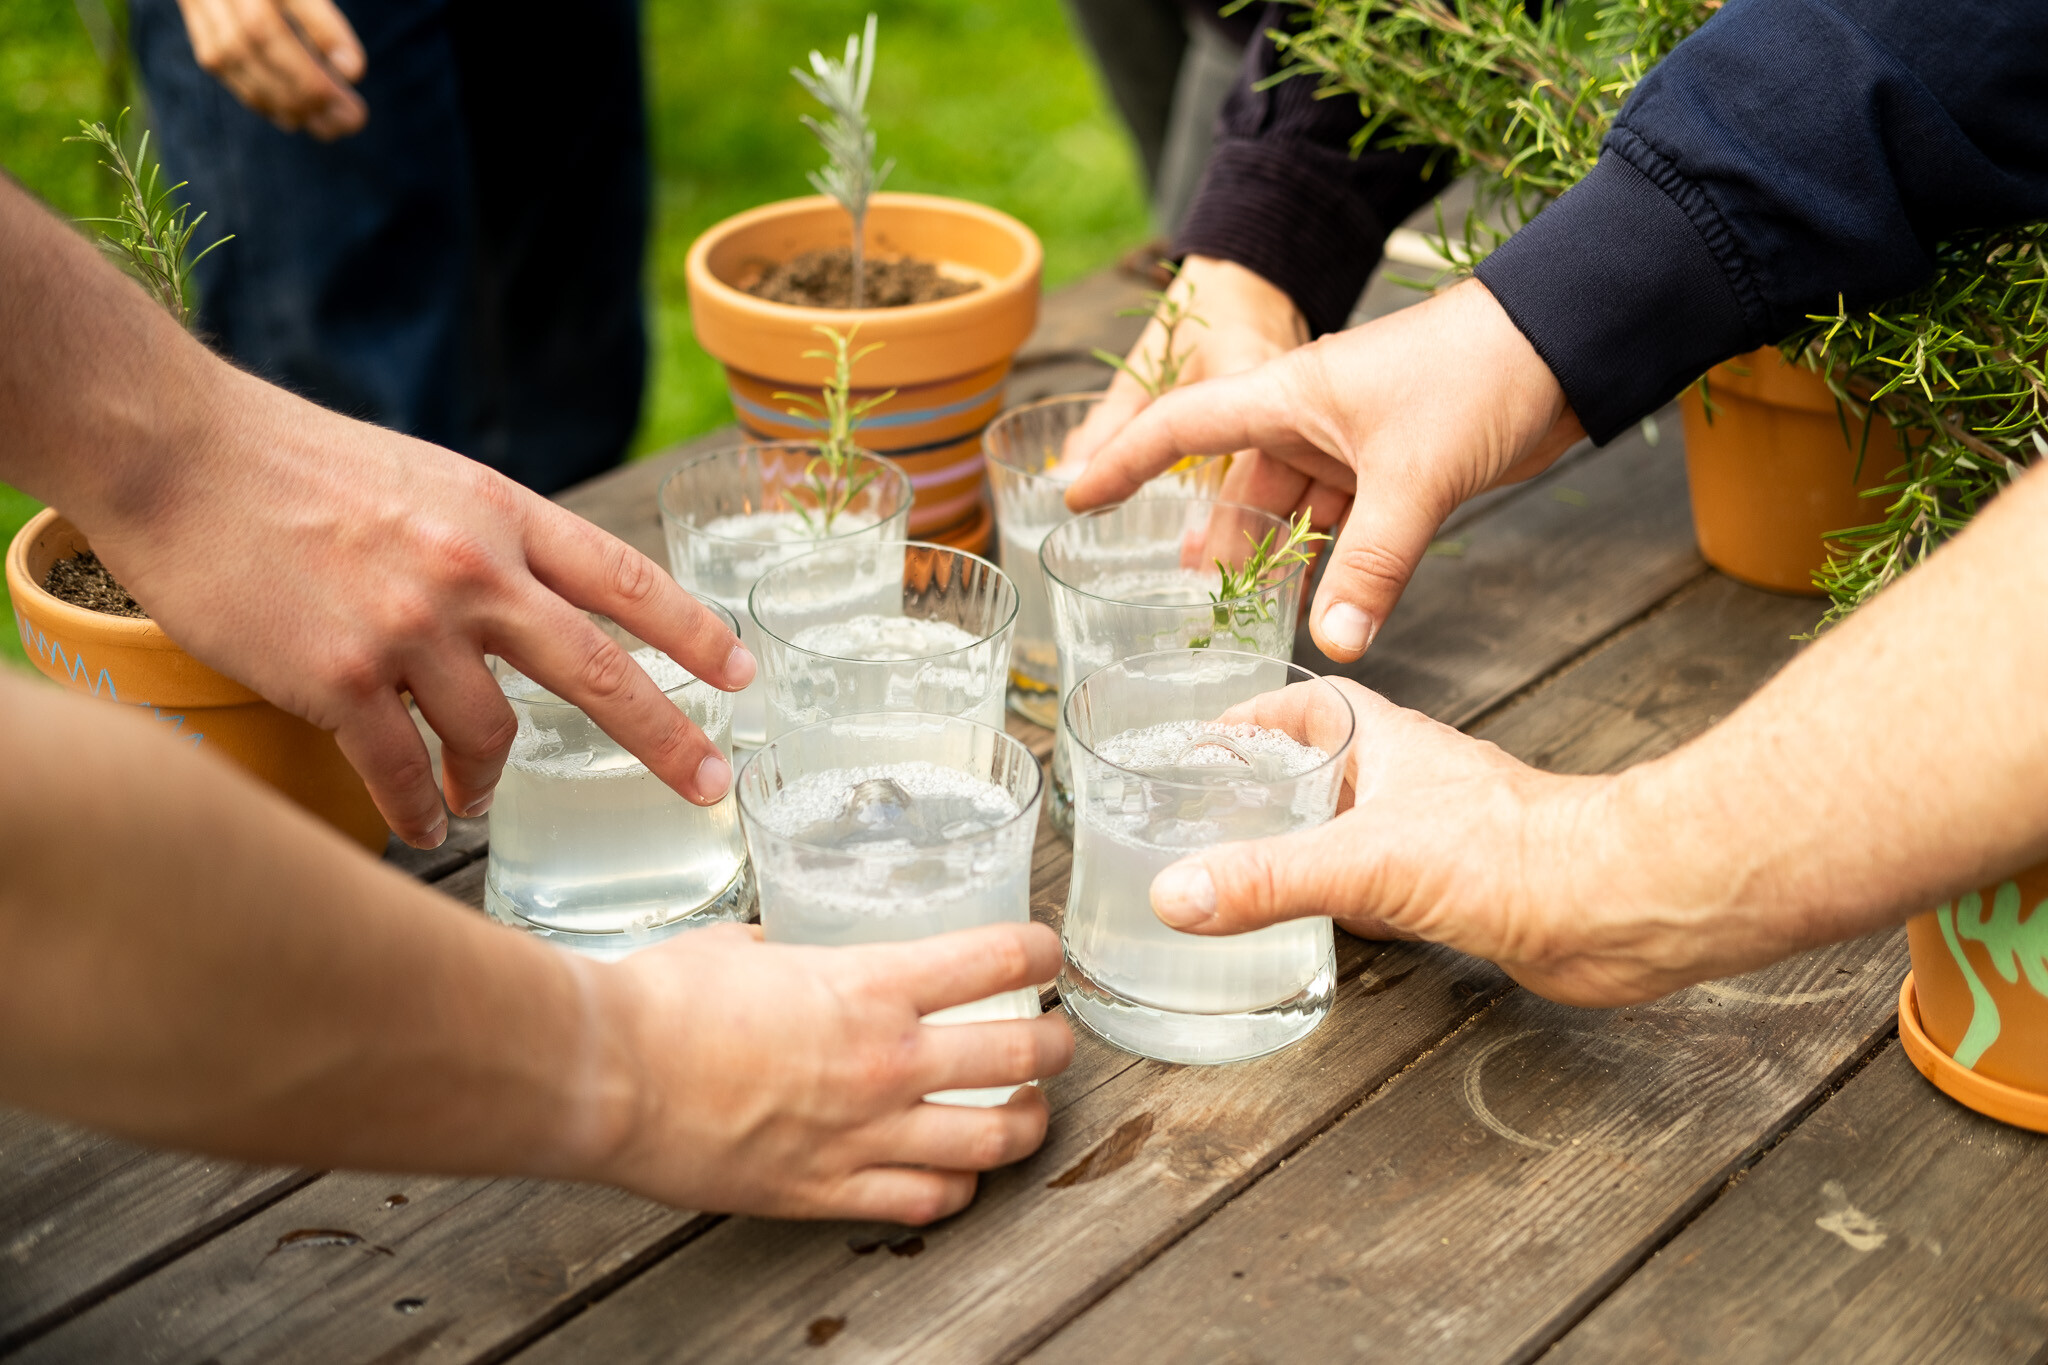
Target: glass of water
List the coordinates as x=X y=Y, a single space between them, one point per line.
x=1143 y=576
x=1029 y=473
x=884 y=625
x=732 y=515
x=591 y=850
x=1158 y=775
x=882 y=828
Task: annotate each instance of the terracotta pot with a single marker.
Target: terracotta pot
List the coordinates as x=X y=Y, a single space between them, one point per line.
x=947 y=360
x=1974 y=1013
x=127 y=660
x=1772 y=474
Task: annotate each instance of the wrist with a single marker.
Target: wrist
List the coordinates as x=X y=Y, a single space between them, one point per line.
x=604 y=1110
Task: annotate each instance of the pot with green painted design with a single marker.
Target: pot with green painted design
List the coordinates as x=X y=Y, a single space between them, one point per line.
x=1974 y=1013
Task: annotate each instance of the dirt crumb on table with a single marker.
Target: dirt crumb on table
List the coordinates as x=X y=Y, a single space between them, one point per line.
x=85 y=582
x=824 y=279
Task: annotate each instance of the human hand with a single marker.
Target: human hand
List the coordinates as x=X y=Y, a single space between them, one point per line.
x=1416 y=411
x=296 y=62
x=1443 y=837
x=1245 y=322
x=789 y=1081
x=333 y=566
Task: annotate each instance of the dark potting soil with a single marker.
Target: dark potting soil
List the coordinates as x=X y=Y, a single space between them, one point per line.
x=824 y=279
x=85 y=582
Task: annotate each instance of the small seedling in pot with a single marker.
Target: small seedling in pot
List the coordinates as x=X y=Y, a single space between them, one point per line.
x=1159 y=372
x=150 y=234
x=1238 y=602
x=829 y=476
x=850 y=174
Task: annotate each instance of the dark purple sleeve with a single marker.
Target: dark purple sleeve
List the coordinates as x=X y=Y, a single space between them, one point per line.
x=1283 y=196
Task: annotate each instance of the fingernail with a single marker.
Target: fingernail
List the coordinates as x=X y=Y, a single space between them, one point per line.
x=714 y=775
x=1184 y=895
x=436 y=835
x=739 y=667
x=1346 y=627
x=479 y=806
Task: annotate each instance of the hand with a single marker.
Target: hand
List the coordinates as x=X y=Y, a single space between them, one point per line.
x=788 y=1080
x=1443 y=837
x=296 y=62
x=332 y=566
x=1245 y=322
x=1399 y=420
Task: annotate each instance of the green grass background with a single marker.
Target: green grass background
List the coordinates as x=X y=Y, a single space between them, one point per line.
x=985 y=99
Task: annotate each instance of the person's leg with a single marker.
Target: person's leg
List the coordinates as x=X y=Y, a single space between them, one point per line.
x=557 y=339
x=1138 y=46
x=345 y=278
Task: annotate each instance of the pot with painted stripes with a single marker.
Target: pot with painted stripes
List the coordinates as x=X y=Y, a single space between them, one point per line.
x=1973 y=1013
x=947 y=359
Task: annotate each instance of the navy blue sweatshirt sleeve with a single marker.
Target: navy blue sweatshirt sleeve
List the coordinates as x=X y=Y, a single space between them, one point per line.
x=1789 y=152
x=1283 y=196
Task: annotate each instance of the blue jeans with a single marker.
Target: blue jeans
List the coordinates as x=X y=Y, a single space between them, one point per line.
x=468 y=267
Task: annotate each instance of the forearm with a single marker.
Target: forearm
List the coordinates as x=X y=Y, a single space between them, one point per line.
x=192 y=963
x=1892 y=766
x=101 y=392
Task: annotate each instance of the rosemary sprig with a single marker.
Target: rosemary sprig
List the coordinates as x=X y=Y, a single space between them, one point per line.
x=1238 y=603
x=1161 y=371
x=829 y=477
x=849 y=174
x=149 y=234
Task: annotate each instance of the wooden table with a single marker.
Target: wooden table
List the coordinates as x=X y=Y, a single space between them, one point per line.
x=1450 y=1169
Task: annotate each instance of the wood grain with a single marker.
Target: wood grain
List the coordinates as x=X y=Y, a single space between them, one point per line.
x=1893 y=1226
x=82 y=1214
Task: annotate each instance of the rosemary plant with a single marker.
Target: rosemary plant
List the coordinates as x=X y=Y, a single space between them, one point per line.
x=829 y=475
x=149 y=234
x=1160 y=371
x=849 y=174
x=1958 y=364
x=1239 y=602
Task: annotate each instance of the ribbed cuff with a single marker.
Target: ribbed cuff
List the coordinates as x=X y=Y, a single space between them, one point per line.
x=1620 y=291
x=1285 y=212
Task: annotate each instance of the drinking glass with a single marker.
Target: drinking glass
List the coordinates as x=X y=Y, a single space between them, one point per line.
x=882 y=828
x=1158 y=776
x=1142 y=576
x=732 y=515
x=884 y=625
x=1029 y=474
x=588 y=848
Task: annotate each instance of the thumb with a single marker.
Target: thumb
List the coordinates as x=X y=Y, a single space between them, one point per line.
x=328 y=30
x=1237 y=887
x=1124 y=399
x=1374 y=556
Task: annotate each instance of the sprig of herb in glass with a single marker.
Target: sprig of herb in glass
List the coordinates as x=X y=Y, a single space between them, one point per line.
x=1238 y=602
x=1161 y=371
x=850 y=175
x=150 y=234
x=829 y=475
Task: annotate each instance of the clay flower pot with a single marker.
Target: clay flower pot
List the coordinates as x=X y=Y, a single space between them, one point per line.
x=1772 y=474
x=132 y=661
x=947 y=360
x=1973 y=1015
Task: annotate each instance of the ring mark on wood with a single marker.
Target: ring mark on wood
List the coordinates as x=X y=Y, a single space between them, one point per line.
x=1475 y=1093
x=1371 y=984
x=823 y=1330
x=1721 y=990
x=1113 y=1153
x=1856 y=1228
x=324 y=1237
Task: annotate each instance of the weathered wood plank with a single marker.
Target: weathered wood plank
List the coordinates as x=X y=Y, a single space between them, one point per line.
x=1485 y=1199
x=1476 y=1207
x=1533 y=581
x=1126 y=1168
x=1894 y=1225
x=82 y=1214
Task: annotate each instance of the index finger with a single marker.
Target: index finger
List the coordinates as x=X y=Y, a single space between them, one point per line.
x=601 y=573
x=1216 y=414
x=971 y=964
